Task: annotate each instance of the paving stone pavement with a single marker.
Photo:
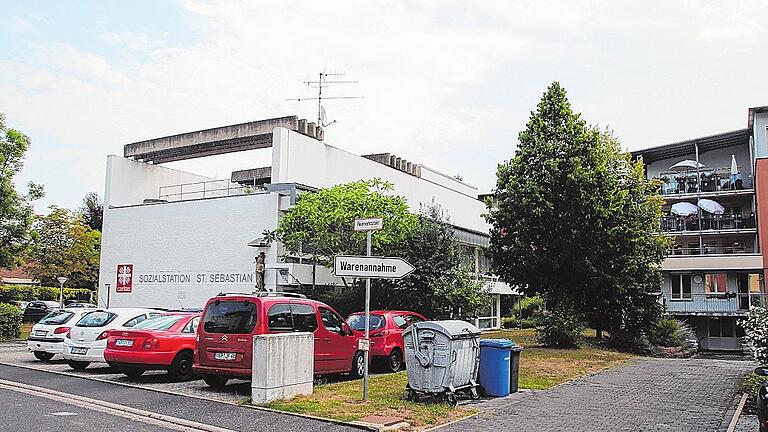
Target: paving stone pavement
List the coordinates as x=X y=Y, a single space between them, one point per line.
x=644 y=395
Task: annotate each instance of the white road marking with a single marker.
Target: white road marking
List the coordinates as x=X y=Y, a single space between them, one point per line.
x=64 y=414
x=130 y=413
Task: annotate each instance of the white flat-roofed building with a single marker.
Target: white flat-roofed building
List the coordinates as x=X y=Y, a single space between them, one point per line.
x=174 y=239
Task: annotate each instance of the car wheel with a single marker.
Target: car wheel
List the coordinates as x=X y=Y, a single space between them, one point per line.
x=395 y=360
x=42 y=355
x=215 y=381
x=358 y=366
x=181 y=368
x=78 y=365
x=132 y=372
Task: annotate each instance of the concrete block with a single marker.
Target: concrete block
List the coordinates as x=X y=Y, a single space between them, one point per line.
x=302 y=129
x=283 y=366
x=311 y=129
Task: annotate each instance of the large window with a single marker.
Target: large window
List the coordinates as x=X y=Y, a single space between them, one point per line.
x=722 y=327
x=230 y=316
x=681 y=286
x=284 y=317
x=716 y=282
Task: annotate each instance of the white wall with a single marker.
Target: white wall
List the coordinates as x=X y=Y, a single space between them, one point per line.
x=300 y=159
x=129 y=182
x=201 y=237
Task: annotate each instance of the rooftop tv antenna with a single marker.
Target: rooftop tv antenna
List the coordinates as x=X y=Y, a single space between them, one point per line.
x=325 y=80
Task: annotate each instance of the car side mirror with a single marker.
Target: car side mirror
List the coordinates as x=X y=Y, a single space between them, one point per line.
x=346 y=330
x=762 y=371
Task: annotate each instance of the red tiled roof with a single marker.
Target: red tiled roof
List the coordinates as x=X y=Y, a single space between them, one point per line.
x=17 y=273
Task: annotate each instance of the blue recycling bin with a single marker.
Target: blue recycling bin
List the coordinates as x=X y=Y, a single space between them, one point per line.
x=495 y=366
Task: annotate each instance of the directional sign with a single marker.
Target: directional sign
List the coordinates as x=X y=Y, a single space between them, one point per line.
x=372 y=224
x=371 y=267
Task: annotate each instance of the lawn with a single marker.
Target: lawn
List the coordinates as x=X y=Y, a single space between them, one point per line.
x=540 y=368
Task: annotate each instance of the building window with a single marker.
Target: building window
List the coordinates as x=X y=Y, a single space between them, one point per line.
x=681 y=286
x=722 y=327
x=716 y=282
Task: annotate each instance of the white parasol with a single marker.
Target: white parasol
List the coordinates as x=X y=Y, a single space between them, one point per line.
x=711 y=206
x=684 y=209
x=686 y=165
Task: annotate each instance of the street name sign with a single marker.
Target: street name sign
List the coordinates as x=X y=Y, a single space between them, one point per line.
x=371 y=267
x=371 y=224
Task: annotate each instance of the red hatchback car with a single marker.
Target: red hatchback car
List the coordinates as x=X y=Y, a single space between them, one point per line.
x=386 y=333
x=164 y=342
x=225 y=335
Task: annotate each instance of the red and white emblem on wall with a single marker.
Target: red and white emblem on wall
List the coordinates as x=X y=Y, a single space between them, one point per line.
x=124 y=278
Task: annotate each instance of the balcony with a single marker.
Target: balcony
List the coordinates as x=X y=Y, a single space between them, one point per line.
x=206 y=189
x=714 y=182
x=715 y=303
x=710 y=224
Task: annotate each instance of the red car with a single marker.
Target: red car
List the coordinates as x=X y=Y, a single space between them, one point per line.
x=224 y=348
x=386 y=334
x=164 y=342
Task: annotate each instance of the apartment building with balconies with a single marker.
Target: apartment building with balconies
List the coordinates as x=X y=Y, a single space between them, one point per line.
x=715 y=269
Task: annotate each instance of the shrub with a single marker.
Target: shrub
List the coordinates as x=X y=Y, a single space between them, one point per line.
x=513 y=322
x=751 y=384
x=756 y=333
x=10 y=321
x=559 y=329
x=670 y=332
x=531 y=307
x=29 y=293
x=630 y=342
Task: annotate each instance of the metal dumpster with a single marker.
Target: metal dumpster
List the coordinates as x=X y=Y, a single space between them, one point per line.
x=442 y=358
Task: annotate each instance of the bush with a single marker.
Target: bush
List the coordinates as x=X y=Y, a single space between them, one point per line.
x=531 y=307
x=756 y=333
x=10 y=321
x=630 y=342
x=513 y=322
x=670 y=332
x=29 y=293
x=751 y=384
x=560 y=329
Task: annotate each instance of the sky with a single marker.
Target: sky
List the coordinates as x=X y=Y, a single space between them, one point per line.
x=448 y=84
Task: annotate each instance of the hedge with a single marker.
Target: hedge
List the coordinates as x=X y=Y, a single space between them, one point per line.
x=29 y=293
x=10 y=321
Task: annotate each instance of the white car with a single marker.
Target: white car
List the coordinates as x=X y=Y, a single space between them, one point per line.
x=47 y=336
x=86 y=340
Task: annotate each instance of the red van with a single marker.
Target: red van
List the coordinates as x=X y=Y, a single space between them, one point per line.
x=224 y=336
x=386 y=332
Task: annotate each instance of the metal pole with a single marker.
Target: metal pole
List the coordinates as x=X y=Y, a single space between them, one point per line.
x=367 y=317
x=698 y=196
x=61 y=295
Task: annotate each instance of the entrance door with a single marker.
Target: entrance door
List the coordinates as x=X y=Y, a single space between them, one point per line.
x=722 y=334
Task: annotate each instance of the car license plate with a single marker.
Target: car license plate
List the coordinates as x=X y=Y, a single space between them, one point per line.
x=124 y=342
x=225 y=356
x=81 y=351
x=40 y=332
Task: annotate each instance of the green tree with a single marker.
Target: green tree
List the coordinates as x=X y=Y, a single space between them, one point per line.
x=92 y=211
x=321 y=224
x=65 y=247
x=443 y=285
x=573 y=219
x=16 y=213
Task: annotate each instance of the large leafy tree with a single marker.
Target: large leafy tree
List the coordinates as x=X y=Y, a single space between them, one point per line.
x=92 y=211
x=574 y=220
x=443 y=285
x=64 y=246
x=16 y=213
x=321 y=224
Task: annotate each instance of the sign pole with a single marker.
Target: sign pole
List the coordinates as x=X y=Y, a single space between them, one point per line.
x=367 y=317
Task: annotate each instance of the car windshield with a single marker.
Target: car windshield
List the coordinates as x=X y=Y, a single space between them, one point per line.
x=357 y=322
x=96 y=319
x=56 y=318
x=163 y=322
x=230 y=316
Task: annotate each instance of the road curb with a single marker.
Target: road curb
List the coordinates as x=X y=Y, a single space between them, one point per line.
x=737 y=414
x=140 y=387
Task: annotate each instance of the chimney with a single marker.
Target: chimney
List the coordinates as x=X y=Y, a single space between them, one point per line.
x=311 y=129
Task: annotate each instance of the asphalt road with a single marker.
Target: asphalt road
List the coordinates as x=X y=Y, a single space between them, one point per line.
x=23 y=412
x=207 y=412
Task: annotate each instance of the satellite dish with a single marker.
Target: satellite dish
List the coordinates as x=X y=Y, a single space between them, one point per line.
x=323 y=119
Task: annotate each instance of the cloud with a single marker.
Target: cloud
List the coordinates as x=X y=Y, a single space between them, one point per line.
x=448 y=83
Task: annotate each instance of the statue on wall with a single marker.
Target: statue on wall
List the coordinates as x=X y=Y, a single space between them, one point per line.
x=260 y=268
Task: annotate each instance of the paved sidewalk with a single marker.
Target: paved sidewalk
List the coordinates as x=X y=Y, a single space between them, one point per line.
x=645 y=395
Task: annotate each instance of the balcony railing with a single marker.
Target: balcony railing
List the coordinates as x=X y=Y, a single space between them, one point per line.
x=736 y=248
x=206 y=189
x=709 y=222
x=717 y=180
x=715 y=303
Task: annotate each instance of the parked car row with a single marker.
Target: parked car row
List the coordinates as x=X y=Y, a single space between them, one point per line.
x=216 y=344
